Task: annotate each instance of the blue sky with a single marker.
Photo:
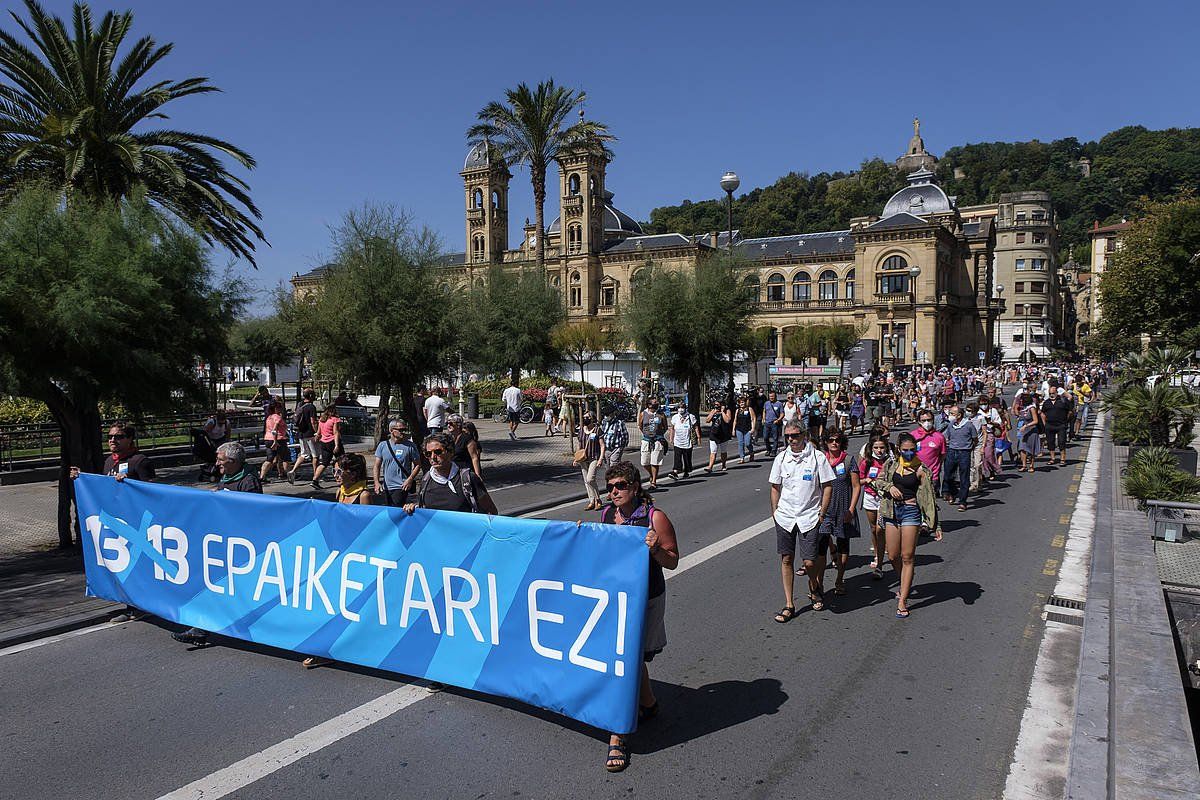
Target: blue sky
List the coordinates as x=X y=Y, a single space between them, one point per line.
x=357 y=101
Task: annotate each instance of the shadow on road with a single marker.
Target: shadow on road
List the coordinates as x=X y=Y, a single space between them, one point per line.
x=689 y=714
x=928 y=594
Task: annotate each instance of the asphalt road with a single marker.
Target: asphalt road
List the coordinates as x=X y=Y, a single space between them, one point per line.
x=847 y=702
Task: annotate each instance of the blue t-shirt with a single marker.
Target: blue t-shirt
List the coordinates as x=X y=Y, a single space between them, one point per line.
x=405 y=453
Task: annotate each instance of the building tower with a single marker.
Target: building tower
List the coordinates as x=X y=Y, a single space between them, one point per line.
x=916 y=157
x=581 y=214
x=485 y=187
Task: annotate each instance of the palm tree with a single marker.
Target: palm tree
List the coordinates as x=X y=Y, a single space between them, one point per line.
x=528 y=128
x=68 y=110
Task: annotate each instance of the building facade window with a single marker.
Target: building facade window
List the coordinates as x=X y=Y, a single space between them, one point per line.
x=1037 y=287
x=753 y=287
x=1020 y=238
x=477 y=199
x=576 y=299
x=1021 y=264
x=478 y=248
x=801 y=287
x=608 y=295
x=1039 y=238
x=1039 y=215
x=894 y=279
x=1020 y=287
x=574 y=238
x=496 y=204
x=827 y=285
x=1038 y=263
x=573 y=185
x=775 y=288
x=850 y=285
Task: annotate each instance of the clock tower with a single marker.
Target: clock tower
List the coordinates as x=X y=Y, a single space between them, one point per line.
x=485 y=187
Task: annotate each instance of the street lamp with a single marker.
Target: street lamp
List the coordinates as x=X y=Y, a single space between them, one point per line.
x=913 y=273
x=1026 y=355
x=1045 y=333
x=996 y=337
x=730 y=183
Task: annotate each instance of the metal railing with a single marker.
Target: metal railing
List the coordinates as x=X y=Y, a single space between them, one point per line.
x=1169 y=520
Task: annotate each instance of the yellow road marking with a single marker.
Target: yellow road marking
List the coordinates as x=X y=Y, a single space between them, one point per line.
x=1051 y=566
x=1065 y=519
x=1058 y=541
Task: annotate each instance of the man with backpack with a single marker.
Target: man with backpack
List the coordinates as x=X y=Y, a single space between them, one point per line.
x=305 y=423
x=396 y=465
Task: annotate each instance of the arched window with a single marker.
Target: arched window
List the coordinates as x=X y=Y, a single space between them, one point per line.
x=576 y=291
x=850 y=285
x=573 y=185
x=592 y=185
x=752 y=285
x=772 y=341
x=478 y=248
x=801 y=287
x=495 y=199
x=574 y=238
x=893 y=276
x=775 y=288
x=477 y=199
x=827 y=285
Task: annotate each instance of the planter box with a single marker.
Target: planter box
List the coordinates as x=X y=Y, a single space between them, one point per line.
x=1185 y=458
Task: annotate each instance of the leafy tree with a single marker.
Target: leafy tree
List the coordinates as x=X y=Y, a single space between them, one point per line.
x=384 y=315
x=104 y=301
x=263 y=340
x=803 y=342
x=509 y=320
x=840 y=339
x=582 y=342
x=531 y=128
x=688 y=322
x=68 y=113
x=1152 y=282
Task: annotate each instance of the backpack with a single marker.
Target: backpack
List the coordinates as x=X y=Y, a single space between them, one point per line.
x=468 y=490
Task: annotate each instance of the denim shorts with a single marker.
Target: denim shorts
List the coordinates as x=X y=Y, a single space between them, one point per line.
x=903 y=514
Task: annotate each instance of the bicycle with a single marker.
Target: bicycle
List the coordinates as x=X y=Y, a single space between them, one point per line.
x=525 y=415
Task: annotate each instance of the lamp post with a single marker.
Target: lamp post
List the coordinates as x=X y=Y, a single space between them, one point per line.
x=996 y=332
x=1028 y=353
x=1045 y=332
x=730 y=183
x=914 y=272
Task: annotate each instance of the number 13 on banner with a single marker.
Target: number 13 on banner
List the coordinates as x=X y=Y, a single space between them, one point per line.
x=170 y=543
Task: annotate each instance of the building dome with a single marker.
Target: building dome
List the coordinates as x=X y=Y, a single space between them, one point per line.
x=615 y=221
x=919 y=198
x=483 y=155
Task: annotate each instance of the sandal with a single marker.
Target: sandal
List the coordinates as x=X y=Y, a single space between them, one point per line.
x=818 y=604
x=647 y=712
x=786 y=614
x=877 y=574
x=315 y=661
x=901 y=613
x=618 y=762
x=839 y=589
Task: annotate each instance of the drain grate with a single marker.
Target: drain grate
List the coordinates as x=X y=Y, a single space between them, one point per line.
x=1068 y=619
x=1065 y=602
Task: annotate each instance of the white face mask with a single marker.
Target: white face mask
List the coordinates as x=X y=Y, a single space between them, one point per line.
x=927 y=425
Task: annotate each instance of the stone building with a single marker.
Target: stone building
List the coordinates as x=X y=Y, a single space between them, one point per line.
x=1106 y=240
x=918 y=278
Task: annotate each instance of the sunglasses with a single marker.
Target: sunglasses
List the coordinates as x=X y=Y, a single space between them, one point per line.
x=619 y=486
x=117 y=436
x=438 y=451
x=791 y=436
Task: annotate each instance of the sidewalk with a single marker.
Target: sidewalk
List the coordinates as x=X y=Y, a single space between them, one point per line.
x=42 y=587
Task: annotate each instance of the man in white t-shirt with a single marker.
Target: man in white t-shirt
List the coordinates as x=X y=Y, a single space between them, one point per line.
x=512 y=404
x=435 y=409
x=801 y=488
x=684 y=427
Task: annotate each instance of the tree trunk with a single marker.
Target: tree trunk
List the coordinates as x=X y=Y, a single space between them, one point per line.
x=514 y=374
x=695 y=384
x=538 y=174
x=271 y=376
x=409 y=409
x=381 y=417
x=79 y=446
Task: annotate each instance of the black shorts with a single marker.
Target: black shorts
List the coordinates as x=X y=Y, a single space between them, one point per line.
x=278 y=450
x=514 y=416
x=812 y=543
x=1056 y=438
x=326 y=453
x=396 y=497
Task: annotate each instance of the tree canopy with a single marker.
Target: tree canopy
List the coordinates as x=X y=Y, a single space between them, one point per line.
x=508 y=321
x=72 y=114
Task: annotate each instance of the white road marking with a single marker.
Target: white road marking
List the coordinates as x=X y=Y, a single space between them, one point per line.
x=263 y=763
x=258 y=766
x=21 y=648
x=1039 y=764
x=32 y=586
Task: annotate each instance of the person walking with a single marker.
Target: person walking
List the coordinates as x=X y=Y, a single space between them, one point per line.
x=1056 y=412
x=589 y=456
x=906 y=499
x=839 y=523
x=772 y=423
x=960 y=443
x=396 y=465
x=1029 y=438
x=216 y=433
x=870 y=467
x=329 y=435
x=931 y=444
x=616 y=438
x=720 y=429
x=467 y=450
x=275 y=437
x=685 y=434
x=653 y=426
x=233 y=476
x=630 y=505
x=435 y=410
x=513 y=398
x=858 y=411
x=744 y=421
x=801 y=489
x=304 y=421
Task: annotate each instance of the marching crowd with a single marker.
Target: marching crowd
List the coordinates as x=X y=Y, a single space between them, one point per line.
x=931 y=434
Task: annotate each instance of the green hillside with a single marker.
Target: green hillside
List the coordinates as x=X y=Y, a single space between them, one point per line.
x=1126 y=165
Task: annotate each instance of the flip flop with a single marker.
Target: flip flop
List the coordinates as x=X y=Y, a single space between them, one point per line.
x=901 y=613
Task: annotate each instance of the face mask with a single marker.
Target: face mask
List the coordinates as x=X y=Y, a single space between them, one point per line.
x=908 y=455
x=879 y=456
x=927 y=425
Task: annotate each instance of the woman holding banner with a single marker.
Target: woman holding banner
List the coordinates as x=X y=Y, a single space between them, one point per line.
x=631 y=505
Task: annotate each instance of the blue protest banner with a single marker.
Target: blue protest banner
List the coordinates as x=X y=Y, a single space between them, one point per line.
x=546 y=612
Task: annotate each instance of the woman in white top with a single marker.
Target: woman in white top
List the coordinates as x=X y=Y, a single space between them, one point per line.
x=685 y=434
